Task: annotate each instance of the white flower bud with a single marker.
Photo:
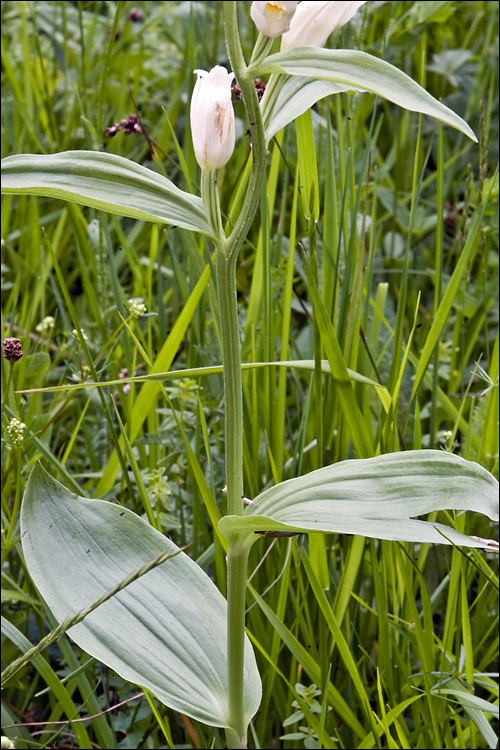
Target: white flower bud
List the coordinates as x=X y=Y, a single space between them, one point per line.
x=212 y=118
x=272 y=19
x=315 y=20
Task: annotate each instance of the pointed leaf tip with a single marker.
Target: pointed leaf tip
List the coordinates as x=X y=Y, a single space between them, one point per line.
x=363 y=72
x=377 y=497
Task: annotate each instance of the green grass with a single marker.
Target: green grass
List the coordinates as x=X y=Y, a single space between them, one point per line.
x=402 y=273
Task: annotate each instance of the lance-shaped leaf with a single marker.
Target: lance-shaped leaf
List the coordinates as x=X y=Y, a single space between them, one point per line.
x=376 y=497
x=359 y=70
x=107 y=182
x=165 y=632
x=295 y=97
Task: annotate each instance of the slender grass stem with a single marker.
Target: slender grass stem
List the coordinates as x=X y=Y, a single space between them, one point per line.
x=7 y=387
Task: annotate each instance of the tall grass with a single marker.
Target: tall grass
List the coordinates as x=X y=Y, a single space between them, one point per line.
x=400 y=640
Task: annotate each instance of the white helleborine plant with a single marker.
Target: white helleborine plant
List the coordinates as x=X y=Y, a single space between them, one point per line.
x=273 y=19
x=173 y=632
x=313 y=22
x=212 y=118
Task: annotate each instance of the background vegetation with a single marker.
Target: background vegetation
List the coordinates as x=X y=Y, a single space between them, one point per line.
x=406 y=252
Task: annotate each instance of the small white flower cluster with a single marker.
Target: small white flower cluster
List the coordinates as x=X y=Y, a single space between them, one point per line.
x=158 y=486
x=6 y=743
x=136 y=307
x=75 y=334
x=46 y=327
x=15 y=431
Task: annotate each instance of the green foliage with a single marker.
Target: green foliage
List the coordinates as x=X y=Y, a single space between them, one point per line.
x=403 y=643
x=146 y=631
x=309 y=737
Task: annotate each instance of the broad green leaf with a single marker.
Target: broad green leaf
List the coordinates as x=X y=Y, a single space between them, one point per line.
x=107 y=182
x=37 y=366
x=165 y=632
x=295 y=96
x=425 y=219
x=376 y=497
x=358 y=70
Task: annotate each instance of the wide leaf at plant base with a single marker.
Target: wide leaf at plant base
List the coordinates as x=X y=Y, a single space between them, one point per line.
x=165 y=632
x=376 y=497
x=107 y=182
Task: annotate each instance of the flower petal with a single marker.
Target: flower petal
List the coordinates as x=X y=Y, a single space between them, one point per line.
x=313 y=22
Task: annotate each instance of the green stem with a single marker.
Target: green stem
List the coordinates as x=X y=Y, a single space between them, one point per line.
x=237 y=555
x=226 y=258
x=259 y=150
x=7 y=387
x=262 y=48
x=225 y=267
x=6 y=543
x=237 y=560
x=211 y=204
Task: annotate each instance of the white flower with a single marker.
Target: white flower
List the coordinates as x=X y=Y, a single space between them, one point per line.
x=212 y=118
x=315 y=20
x=84 y=335
x=46 y=326
x=15 y=431
x=272 y=19
x=136 y=307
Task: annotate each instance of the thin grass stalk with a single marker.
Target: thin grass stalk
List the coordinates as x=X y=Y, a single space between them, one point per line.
x=89 y=360
x=438 y=270
x=267 y=337
x=279 y=450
